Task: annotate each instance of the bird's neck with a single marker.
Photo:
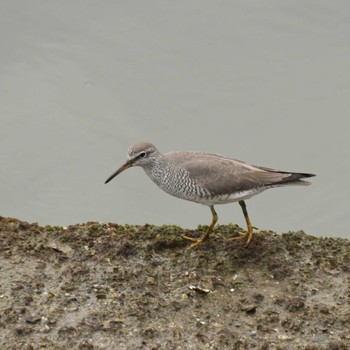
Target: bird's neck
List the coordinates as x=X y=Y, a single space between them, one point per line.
x=159 y=171
x=156 y=168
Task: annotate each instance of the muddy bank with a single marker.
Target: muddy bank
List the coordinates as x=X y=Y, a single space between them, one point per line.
x=106 y=286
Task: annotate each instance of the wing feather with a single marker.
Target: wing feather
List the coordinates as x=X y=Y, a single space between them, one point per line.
x=221 y=175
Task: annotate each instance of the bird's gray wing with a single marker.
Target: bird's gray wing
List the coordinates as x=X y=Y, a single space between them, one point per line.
x=221 y=175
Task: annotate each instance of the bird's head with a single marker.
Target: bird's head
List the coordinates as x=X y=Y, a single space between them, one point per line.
x=141 y=154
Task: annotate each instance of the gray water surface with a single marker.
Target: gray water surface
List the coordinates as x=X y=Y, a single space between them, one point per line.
x=264 y=82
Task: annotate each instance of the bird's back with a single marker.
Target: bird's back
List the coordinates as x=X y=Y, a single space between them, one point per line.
x=222 y=175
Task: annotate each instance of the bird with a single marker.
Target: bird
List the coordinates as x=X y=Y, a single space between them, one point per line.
x=208 y=179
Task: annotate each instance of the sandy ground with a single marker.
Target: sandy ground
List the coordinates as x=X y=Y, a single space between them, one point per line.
x=106 y=286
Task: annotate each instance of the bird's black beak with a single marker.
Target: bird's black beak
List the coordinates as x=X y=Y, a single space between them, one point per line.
x=125 y=166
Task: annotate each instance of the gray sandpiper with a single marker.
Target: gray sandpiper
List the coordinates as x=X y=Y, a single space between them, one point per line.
x=207 y=178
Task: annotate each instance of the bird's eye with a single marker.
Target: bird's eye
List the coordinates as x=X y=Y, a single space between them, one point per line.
x=142 y=154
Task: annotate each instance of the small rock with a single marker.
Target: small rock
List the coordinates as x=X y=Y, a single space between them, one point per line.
x=249 y=308
x=200 y=290
x=32 y=319
x=61 y=247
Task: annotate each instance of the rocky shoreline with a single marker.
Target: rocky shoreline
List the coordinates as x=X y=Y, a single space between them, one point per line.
x=109 y=286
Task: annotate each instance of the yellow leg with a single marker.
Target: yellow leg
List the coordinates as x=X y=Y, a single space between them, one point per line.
x=249 y=233
x=197 y=241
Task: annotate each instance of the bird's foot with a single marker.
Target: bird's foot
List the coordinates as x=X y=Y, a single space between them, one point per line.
x=243 y=235
x=195 y=241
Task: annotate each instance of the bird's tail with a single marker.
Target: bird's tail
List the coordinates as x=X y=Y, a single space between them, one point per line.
x=289 y=178
x=296 y=179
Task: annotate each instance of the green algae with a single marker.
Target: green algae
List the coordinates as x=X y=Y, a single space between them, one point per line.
x=92 y=284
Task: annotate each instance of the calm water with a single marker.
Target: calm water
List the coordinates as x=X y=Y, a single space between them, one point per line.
x=267 y=83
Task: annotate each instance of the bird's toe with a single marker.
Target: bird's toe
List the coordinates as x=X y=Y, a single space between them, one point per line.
x=195 y=241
